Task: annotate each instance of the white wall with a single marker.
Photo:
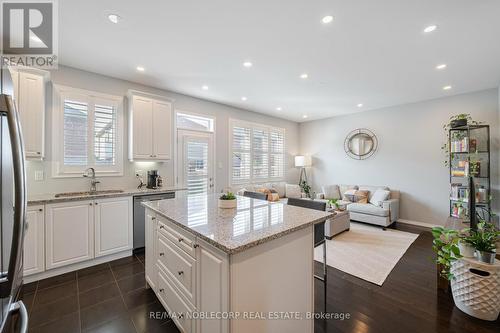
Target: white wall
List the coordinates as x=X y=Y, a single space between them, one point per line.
x=95 y=82
x=409 y=157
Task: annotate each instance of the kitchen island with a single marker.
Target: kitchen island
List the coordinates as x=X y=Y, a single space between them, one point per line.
x=248 y=269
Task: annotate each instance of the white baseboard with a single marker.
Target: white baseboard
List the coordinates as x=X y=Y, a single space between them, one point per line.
x=418 y=223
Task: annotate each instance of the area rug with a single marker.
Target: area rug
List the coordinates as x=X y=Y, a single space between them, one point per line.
x=365 y=251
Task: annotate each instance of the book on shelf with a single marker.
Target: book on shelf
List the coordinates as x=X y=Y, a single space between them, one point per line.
x=460 y=146
x=459 y=193
x=461 y=170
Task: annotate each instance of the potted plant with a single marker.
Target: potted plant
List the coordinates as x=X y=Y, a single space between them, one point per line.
x=445 y=244
x=306 y=188
x=485 y=239
x=466 y=244
x=334 y=203
x=459 y=120
x=456 y=121
x=227 y=200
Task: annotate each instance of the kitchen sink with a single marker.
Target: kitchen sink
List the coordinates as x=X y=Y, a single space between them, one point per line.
x=81 y=194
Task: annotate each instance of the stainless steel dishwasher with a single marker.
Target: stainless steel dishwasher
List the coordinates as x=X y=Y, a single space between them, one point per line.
x=140 y=215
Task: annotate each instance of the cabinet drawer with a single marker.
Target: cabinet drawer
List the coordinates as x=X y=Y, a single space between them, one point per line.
x=180 y=267
x=174 y=304
x=182 y=238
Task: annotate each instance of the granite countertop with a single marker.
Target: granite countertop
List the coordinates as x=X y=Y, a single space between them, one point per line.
x=234 y=230
x=47 y=198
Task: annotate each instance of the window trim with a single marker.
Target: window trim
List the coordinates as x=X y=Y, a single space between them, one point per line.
x=252 y=125
x=59 y=170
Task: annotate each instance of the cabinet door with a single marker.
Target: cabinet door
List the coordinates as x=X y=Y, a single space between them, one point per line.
x=162 y=130
x=31 y=103
x=142 y=136
x=113 y=225
x=34 y=252
x=213 y=287
x=150 y=233
x=69 y=233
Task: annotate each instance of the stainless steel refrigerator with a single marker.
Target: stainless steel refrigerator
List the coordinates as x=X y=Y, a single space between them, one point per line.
x=13 y=316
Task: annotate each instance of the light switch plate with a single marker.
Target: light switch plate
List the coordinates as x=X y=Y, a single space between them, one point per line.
x=39 y=175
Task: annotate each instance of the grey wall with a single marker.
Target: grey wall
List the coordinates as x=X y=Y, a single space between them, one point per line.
x=95 y=82
x=409 y=157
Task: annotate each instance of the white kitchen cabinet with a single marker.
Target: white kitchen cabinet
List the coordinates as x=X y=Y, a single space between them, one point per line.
x=150 y=243
x=150 y=127
x=29 y=95
x=34 y=241
x=69 y=233
x=113 y=225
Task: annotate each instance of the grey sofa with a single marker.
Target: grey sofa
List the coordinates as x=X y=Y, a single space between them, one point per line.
x=384 y=214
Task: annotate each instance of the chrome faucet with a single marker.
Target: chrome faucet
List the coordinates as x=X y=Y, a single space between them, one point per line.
x=93 y=181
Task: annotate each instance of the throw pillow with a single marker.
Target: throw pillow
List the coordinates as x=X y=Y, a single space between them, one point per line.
x=344 y=188
x=349 y=195
x=356 y=196
x=292 y=191
x=331 y=191
x=379 y=196
x=273 y=196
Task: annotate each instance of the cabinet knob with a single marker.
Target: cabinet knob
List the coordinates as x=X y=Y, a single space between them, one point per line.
x=181 y=240
x=90 y=204
x=180 y=272
x=154 y=218
x=38 y=153
x=196 y=246
x=40 y=209
x=161 y=290
x=162 y=254
x=162 y=227
x=95 y=203
x=181 y=316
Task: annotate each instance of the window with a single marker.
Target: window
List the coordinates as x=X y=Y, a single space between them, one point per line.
x=91 y=130
x=194 y=122
x=257 y=152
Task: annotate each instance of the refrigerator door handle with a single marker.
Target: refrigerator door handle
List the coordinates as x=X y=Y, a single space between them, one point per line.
x=23 y=315
x=17 y=145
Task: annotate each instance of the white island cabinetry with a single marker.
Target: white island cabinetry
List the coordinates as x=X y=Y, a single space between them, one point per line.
x=256 y=259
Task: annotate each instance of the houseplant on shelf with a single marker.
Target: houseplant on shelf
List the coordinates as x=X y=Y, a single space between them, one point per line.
x=227 y=200
x=456 y=121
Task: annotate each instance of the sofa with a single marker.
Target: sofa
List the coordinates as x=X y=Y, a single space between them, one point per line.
x=379 y=212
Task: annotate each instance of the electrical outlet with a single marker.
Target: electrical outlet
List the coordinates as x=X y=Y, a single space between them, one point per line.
x=139 y=173
x=39 y=175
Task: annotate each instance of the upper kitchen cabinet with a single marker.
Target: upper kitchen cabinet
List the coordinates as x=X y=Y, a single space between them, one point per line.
x=29 y=95
x=150 y=127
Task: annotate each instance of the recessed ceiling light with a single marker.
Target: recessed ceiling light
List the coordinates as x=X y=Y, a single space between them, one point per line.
x=441 y=66
x=247 y=64
x=304 y=116
x=113 y=18
x=304 y=76
x=204 y=87
x=447 y=87
x=327 y=19
x=140 y=68
x=360 y=105
x=279 y=108
x=243 y=98
x=430 y=28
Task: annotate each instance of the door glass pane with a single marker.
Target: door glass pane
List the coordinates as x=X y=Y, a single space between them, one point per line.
x=197 y=178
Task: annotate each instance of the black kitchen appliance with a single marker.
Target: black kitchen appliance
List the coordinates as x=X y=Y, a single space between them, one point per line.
x=153 y=178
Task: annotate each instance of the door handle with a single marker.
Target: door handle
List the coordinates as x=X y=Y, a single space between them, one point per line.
x=17 y=146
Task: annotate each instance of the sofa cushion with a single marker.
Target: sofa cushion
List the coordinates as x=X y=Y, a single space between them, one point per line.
x=379 y=196
x=345 y=188
x=368 y=209
x=331 y=191
x=280 y=188
x=372 y=189
x=292 y=191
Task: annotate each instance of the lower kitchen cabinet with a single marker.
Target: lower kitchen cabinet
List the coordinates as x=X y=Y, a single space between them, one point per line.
x=113 y=225
x=150 y=243
x=34 y=241
x=69 y=233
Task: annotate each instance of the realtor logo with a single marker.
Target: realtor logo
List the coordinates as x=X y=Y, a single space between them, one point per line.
x=29 y=33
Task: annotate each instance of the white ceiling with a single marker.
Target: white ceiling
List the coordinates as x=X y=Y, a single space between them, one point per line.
x=374 y=52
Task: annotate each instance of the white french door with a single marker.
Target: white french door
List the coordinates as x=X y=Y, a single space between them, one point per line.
x=195 y=161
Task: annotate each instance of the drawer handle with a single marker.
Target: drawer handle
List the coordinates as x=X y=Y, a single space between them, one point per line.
x=161 y=290
x=162 y=227
x=162 y=254
x=181 y=240
x=154 y=218
x=196 y=246
x=181 y=316
x=180 y=272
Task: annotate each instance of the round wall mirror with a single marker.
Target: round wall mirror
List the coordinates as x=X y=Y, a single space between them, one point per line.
x=360 y=144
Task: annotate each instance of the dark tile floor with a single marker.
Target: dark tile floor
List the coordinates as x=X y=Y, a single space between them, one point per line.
x=109 y=298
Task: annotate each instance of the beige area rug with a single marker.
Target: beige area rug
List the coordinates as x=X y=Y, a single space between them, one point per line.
x=366 y=251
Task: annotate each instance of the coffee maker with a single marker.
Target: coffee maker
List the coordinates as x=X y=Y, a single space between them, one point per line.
x=153 y=179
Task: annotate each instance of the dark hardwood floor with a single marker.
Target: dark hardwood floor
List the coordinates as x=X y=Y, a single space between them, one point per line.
x=112 y=298
x=407 y=302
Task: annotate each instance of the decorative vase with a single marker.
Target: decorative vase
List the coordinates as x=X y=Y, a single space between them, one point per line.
x=458 y=123
x=466 y=250
x=486 y=257
x=227 y=203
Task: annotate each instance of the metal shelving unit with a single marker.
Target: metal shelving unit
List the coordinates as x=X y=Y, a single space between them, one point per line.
x=469 y=156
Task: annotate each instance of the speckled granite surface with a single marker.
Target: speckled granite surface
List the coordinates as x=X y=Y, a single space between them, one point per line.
x=42 y=199
x=234 y=230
